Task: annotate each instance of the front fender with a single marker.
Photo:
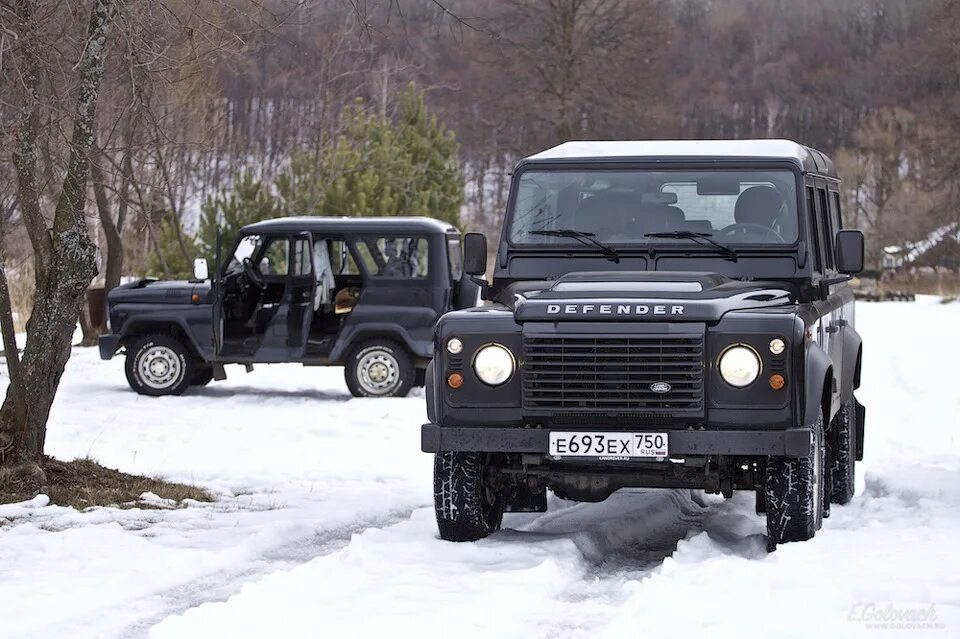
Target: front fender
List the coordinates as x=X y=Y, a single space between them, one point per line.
x=193 y=321
x=818 y=370
x=852 y=357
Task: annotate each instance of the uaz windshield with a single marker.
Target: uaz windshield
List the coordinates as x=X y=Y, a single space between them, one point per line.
x=623 y=207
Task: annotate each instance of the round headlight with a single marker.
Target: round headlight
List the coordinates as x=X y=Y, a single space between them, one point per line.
x=455 y=346
x=739 y=366
x=493 y=364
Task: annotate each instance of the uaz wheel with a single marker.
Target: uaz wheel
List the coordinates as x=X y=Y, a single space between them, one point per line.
x=159 y=365
x=795 y=492
x=468 y=495
x=379 y=368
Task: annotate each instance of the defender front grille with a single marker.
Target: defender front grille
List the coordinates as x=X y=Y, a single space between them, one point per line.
x=613 y=374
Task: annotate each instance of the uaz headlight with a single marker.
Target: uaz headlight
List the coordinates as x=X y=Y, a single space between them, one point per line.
x=494 y=364
x=739 y=366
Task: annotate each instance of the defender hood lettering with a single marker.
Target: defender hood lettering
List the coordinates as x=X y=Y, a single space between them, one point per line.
x=657 y=296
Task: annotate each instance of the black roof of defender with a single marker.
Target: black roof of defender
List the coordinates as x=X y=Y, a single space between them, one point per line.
x=808 y=159
x=391 y=225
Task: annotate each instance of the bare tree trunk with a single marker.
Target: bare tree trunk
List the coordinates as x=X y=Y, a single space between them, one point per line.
x=70 y=264
x=111 y=229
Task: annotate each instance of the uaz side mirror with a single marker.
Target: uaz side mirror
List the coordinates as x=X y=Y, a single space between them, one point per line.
x=200 y=270
x=475 y=253
x=849 y=252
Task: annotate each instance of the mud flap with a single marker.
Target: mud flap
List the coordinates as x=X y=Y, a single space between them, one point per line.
x=522 y=499
x=861 y=414
x=219 y=373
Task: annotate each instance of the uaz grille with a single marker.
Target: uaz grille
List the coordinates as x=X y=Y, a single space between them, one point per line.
x=613 y=375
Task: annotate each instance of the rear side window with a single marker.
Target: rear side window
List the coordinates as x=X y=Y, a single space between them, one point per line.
x=835 y=216
x=341 y=259
x=815 y=235
x=826 y=234
x=455 y=257
x=301 y=257
x=393 y=256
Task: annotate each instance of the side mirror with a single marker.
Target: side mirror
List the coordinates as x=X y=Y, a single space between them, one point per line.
x=849 y=252
x=200 y=270
x=475 y=254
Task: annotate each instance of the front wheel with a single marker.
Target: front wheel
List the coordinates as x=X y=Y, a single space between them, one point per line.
x=468 y=495
x=843 y=454
x=159 y=365
x=379 y=368
x=795 y=493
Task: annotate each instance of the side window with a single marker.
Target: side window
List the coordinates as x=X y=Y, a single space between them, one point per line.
x=455 y=257
x=341 y=258
x=301 y=257
x=815 y=230
x=402 y=256
x=275 y=257
x=826 y=233
x=835 y=216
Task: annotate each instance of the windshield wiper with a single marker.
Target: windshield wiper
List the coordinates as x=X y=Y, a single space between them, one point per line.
x=702 y=239
x=584 y=238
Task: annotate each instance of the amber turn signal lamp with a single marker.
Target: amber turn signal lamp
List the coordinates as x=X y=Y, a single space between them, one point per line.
x=777 y=381
x=454 y=380
x=195 y=298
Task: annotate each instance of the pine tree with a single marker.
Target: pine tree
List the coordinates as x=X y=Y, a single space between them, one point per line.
x=248 y=201
x=404 y=165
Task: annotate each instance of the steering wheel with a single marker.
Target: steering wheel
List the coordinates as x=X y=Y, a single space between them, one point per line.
x=731 y=230
x=256 y=278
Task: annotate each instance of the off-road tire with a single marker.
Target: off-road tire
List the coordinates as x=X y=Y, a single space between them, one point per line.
x=467 y=508
x=142 y=347
x=796 y=491
x=202 y=374
x=760 y=505
x=405 y=370
x=843 y=454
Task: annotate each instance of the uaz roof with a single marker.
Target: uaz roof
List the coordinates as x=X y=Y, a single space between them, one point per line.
x=351 y=225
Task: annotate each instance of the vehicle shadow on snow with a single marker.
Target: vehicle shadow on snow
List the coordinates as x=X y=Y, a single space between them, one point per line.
x=634 y=530
x=266 y=393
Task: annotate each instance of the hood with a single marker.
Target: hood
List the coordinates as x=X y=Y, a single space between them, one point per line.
x=649 y=295
x=149 y=291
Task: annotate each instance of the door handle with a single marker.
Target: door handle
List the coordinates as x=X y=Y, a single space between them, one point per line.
x=833 y=328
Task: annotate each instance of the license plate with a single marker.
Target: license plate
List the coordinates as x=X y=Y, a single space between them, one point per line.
x=609 y=445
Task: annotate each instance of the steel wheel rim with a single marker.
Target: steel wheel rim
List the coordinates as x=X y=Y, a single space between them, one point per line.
x=378 y=372
x=159 y=367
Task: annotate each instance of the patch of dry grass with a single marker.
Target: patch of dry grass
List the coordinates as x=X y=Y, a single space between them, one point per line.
x=83 y=483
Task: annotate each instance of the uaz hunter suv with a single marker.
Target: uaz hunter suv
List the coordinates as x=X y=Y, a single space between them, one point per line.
x=664 y=314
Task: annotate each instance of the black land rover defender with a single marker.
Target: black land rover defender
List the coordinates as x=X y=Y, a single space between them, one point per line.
x=364 y=293
x=664 y=314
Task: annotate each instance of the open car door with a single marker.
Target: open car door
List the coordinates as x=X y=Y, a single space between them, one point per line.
x=286 y=335
x=217 y=285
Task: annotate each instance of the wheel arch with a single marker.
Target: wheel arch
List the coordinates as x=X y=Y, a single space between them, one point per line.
x=852 y=353
x=818 y=387
x=139 y=327
x=350 y=338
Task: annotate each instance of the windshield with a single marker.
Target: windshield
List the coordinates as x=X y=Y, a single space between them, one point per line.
x=246 y=247
x=622 y=207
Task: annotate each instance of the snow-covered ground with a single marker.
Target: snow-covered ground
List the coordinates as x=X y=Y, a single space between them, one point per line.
x=324 y=525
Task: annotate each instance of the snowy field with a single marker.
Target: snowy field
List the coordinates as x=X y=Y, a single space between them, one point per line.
x=324 y=525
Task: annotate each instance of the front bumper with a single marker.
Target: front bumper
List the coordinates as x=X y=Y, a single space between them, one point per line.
x=792 y=442
x=108 y=346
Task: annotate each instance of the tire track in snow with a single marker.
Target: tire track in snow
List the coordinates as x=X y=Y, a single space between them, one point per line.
x=220 y=586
